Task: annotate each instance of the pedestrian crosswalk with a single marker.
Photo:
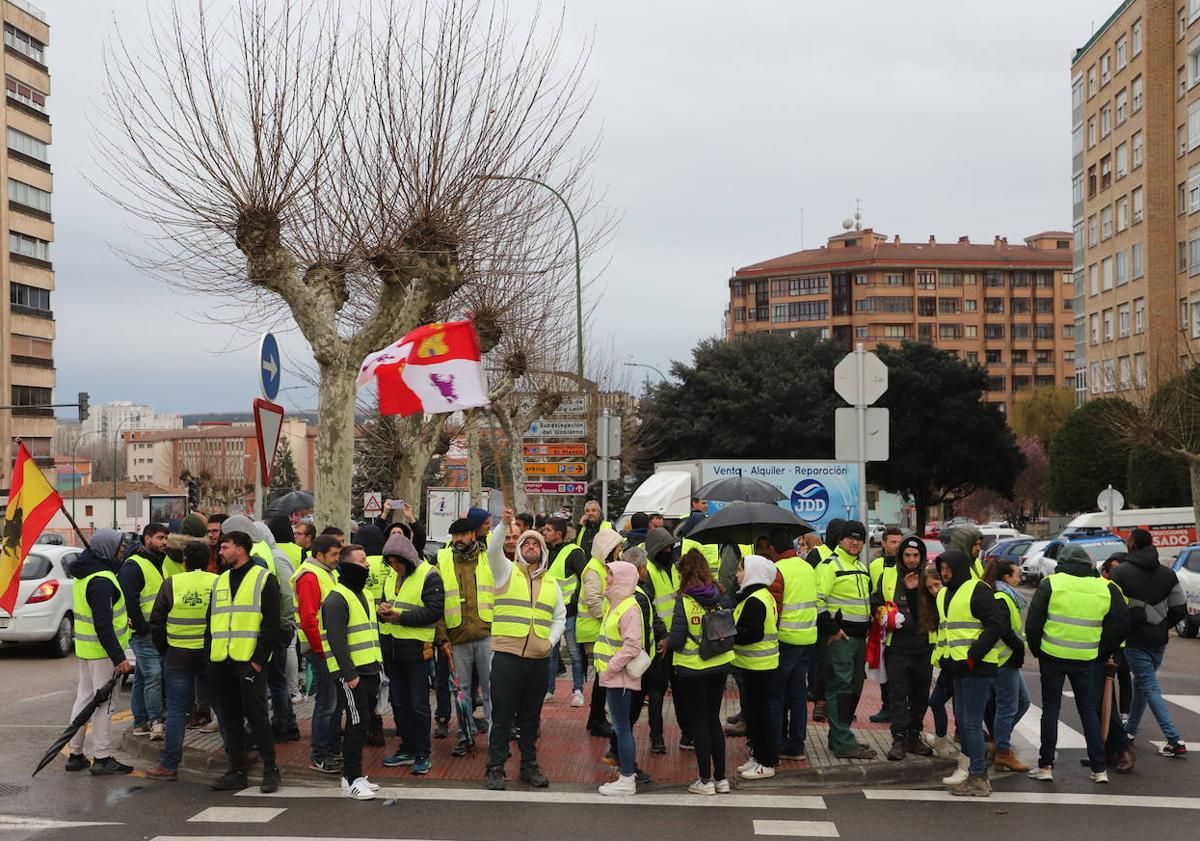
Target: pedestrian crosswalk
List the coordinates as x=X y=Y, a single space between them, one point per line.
x=1069 y=738
x=1039 y=799
x=797 y=829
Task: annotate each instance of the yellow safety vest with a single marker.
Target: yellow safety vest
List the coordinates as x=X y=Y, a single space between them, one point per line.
x=408 y=597
x=877 y=567
x=326 y=578
x=666 y=586
x=1014 y=620
x=824 y=552
x=710 y=551
x=689 y=656
x=263 y=550
x=377 y=573
x=587 y=629
x=843 y=585
x=958 y=624
x=977 y=569
x=171 y=568
x=891 y=580
x=485 y=587
x=518 y=606
x=609 y=640
x=87 y=642
x=191 y=593
x=152 y=581
x=798 y=622
x=293 y=551
x=569 y=584
x=762 y=655
x=1075 y=616
x=362 y=631
x=237 y=618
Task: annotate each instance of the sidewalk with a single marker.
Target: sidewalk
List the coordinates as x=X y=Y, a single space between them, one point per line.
x=569 y=756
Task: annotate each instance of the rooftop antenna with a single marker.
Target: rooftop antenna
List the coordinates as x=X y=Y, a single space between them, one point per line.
x=858 y=214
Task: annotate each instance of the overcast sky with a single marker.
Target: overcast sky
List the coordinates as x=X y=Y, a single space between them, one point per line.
x=723 y=125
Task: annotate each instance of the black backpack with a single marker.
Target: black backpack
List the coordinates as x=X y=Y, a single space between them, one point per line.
x=717 y=630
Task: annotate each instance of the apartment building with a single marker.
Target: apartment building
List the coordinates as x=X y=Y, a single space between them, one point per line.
x=1008 y=307
x=27 y=374
x=1135 y=99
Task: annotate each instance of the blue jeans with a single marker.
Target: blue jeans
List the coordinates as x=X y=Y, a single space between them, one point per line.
x=619 y=701
x=578 y=663
x=1144 y=664
x=1012 y=702
x=971 y=697
x=1081 y=674
x=146 y=700
x=789 y=689
x=181 y=691
x=325 y=697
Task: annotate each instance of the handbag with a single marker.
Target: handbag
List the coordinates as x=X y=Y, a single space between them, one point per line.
x=638 y=665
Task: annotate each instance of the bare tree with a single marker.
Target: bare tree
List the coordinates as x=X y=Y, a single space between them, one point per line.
x=343 y=168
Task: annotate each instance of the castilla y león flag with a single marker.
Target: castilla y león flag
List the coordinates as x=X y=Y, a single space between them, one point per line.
x=435 y=368
x=31 y=504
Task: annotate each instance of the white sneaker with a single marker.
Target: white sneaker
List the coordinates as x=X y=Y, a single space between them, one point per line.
x=620 y=787
x=1099 y=776
x=360 y=789
x=1044 y=774
x=577 y=698
x=959 y=776
x=141 y=729
x=157 y=732
x=364 y=780
x=701 y=787
x=212 y=726
x=758 y=772
x=549 y=697
x=747 y=765
x=722 y=786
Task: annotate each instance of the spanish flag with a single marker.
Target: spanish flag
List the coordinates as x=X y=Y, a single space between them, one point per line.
x=31 y=504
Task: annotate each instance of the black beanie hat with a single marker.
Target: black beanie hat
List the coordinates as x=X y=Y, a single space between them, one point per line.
x=463 y=526
x=854 y=528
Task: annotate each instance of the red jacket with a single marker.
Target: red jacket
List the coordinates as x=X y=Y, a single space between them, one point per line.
x=308 y=601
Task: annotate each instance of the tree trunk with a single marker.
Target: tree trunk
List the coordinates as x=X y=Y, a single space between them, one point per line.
x=516 y=468
x=417 y=442
x=335 y=445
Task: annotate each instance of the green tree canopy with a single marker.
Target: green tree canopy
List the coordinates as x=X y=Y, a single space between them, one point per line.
x=284 y=478
x=1086 y=455
x=1156 y=480
x=1039 y=412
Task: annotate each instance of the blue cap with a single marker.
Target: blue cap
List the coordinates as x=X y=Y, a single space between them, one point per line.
x=478 y=516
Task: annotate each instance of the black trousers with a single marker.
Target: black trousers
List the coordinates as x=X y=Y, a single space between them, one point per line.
x=441 y=686
x=909 y=676
x=360 y=706
x=700 y=693
x=657 y=695
x=518 y=690
x=241 y=693
x=756 y=704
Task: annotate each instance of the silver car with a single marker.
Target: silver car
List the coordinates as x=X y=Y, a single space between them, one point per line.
x=45 y=598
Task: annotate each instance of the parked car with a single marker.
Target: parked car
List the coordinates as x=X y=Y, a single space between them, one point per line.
x=933 y=529
x=1187 y=568
x=875 y=533
x=1009 y=549
x=43 y=612
x=1098 y=547
x=933 y=548
x=1031 y=561
x=994 y=534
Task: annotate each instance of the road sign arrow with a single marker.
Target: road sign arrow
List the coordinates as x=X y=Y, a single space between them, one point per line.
x=270 y=367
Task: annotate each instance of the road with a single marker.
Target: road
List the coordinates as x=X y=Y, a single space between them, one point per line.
x=36 y=695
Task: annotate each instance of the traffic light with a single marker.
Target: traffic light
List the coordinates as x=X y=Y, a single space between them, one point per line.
x=83 y=406
x=193 y=489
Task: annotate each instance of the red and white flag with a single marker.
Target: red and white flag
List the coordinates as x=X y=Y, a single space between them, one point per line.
x=434 y=369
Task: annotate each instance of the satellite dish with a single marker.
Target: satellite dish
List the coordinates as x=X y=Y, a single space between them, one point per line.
x=847 y=224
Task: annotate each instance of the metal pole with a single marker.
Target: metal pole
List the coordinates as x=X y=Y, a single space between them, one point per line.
x=602 y=444
x=258 y=488
x=1109 y=500
x=75 y=485
x=860 y=408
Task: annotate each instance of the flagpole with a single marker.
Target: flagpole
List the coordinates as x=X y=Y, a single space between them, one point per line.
x=71 y=520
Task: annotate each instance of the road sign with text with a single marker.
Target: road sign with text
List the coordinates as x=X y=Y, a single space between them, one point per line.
x=554 y=450
x=556 y=488
x=556 y=468
x=543 y=428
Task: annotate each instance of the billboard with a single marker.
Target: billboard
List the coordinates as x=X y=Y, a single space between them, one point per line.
x=817 y=491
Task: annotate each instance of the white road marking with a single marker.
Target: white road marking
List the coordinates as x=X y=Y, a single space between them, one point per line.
x=1033 y=799
x=44 y=696
x=797 y=829
x=236 y=814
x=24 y=822
x=1188 y=702
x=1030 y=726
x=475 y=795
x=275 y=838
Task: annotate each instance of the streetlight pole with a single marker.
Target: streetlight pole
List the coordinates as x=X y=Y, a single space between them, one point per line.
x=645 y=365
x=74 y=449
x=116 y=438
x=578 y=265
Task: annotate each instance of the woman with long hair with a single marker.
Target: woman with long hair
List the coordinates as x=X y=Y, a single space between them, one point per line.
x=1012 y=695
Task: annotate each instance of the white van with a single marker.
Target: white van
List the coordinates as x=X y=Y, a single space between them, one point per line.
x=993 y=533
x=1171 y=528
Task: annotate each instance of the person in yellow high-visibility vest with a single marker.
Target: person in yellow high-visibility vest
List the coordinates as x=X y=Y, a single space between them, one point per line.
x=818 y=553
x=756 y=653
x=593 y=583
x=470 y=594
x=141 y=576
x=662 y=585
x=797 y=646
x=312 y=582
x=567 y=562
x=622 y=638
x=590 y=525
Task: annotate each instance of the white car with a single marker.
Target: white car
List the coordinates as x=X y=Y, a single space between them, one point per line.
x=45 y=599
x=1187 y=569
x=1031 y=561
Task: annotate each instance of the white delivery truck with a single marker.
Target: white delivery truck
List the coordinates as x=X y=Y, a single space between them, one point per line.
x=1171 y=528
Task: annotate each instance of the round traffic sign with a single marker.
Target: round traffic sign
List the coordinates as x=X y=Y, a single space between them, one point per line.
x=1110 y=499
x=268 y=366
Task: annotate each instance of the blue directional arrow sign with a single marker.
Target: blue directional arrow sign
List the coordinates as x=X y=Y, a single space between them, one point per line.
x=268 y=366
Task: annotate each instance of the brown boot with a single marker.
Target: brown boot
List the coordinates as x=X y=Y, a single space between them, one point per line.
x=1008 y=759
x=1123 y=762
x=819 y=711
x=161 y=773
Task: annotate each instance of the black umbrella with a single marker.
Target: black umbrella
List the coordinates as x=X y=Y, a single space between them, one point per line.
x=745 y=522
x=740 y=489
x=290 y=503
x=464 y=706
x=85 y=715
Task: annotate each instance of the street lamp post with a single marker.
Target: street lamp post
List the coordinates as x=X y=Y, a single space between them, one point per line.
x=74 y=449
x=116 y=438
x=578 y=265
x=645 y=365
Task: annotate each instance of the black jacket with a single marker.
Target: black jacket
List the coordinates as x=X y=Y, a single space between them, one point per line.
x=751 y=624
x=694 y=519
x=101 y=595
x=1156 y=601
x=269 y=631
x=335 y=614
x=988 y=610
x=909 y=637
x=132 y=581
x=680 y=629
x=433 y=597
x=1074 y=561
x=575 y=562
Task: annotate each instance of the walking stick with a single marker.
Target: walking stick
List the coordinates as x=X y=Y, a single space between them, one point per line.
x=1106 y=706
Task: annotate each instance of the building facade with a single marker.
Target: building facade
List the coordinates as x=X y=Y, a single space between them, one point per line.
x=1008 y=307
x=1135 y=118
x=107 y=419
x=26 y=271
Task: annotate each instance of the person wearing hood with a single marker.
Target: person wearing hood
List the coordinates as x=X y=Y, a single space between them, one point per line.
x=843 y=619
x=797 y=642
x=886 y=559
x=101 y=633
x=469 y=599
x=242 y=632
x=699 y=682
x=350 y=636
x=1156 y=603
x=661 y=583
x=193 y=528
x=285 y=538
x=824 y=551
x=529 y=620
x=413 y=605
x=912 y=619
x=1012 y=696
x=283 y=670
x=567 y=562
x=141 y=577
x=967 y=539
x=974 y=623
x=622 y=639
x=1075 y=618
x=592 y=585
x=756 y=653
x=312 y=582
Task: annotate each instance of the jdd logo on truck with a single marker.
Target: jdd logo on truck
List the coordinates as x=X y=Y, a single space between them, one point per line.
x=810 y=500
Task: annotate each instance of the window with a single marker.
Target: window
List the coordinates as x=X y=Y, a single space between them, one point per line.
x=1181 y=138
x=1095 y=378
x=1106 y=273
x=949 y=306
x=1138 y=93
x=1194 y=256
x=993 y=357
x=1138 y=198
x=926 y=280
x=1108 y=325
x=1068 y=356
x=893 y=280
x=1095 y=328
x=993 y=279
x=21 y=142
x=949 y=331
x=1195 y=308
x=27 y=395
x=973 y=357
x=28 y=246
x=1181 y=75
x=970 y=305
x=1020 y=332
x=1193 y=126
x=1136 y=145
x=971 y=331
x=1068 y=331
x=739 y=314
x=862 y=332
x=1121 y=101
x=895 y=331
x=1123 y=373
x=993 y=305
x=1193 y=63
x=1043 y=332
x=1122 y=160
x=859 y=279
x=1139 y=369
x=23 y=93
x=29 y=297
x=1183 y=256
x=1183 y=314
x=1137 y=260
x=800 y=286
x=800 y=311
x=1091 y=81
x=1021 y=280
x=1106 y=222
x=1093 y=239
x=949 y=280
x=1045 y=357
x=1110 y=376
x=1105 y=172
x=24 y=43
x=1122 y=213
x=1045 y=306
x=995 y=384
x=1091 y=181
x=28 y=195
x=1094 y=278
x=1135 y=38
x=1091 y=132
x=1106 y=125
x=1105 y=69
x=1019 y=306
x=993 y=331
x=1139 y=315
x=1123 y=321
x=1122 y=264
x=1122 y=52
x=32 y=347
x=970 y=279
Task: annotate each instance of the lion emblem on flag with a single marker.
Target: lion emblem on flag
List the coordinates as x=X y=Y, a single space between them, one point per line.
x=433 y=345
